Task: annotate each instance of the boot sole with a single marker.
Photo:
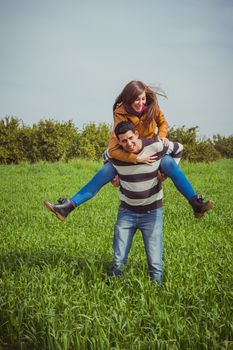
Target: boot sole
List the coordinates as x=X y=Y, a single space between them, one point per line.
x=209 y=206
x=50 y=208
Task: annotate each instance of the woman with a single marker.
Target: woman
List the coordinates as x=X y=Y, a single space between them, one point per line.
x=137 y=103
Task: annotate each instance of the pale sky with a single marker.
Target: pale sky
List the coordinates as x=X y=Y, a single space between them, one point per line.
x=70 y=59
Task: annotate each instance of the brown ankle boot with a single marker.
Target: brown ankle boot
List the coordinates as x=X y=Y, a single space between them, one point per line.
x=61 y=209
x=199 y=206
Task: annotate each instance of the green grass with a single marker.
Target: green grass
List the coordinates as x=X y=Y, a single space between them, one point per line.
x=54 y=293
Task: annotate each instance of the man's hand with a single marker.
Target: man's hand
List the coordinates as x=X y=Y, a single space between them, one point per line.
x=161 y=177
x=165 y=141
x=116 y=181
x=146 y=159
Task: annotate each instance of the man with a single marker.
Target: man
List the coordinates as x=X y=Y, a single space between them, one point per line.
x=141 y=200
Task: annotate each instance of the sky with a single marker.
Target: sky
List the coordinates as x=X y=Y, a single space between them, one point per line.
x=69 y=60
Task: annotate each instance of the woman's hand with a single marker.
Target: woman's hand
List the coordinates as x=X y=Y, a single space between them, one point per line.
x=165 y=141
x=146 y=159
x=116 y=181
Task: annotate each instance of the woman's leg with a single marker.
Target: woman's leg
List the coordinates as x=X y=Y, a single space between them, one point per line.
x=101 y=178
x=64 y=206
x=169 y=167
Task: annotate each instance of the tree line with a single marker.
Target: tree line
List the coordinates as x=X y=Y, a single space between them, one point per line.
x=51 y=140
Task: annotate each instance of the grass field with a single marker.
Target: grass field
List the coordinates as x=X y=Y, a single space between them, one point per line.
x=54 y=293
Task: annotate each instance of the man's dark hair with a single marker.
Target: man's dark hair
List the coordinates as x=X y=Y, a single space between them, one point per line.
x=123 y=127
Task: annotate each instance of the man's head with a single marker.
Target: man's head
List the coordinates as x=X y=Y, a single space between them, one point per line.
x=128 y=137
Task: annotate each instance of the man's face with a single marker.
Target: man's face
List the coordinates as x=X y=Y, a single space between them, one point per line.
x=129 y=141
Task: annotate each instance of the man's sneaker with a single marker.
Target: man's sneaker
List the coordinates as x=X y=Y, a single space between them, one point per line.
x=199 y=206
x=113 y=272
x=61 y=209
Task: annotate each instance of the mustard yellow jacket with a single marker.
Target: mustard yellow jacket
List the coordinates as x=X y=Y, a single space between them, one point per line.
x=145 y=129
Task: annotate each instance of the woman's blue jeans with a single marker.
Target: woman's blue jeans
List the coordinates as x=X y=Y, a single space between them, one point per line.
x=168 y=166
x=101 y=178
x=150 y=224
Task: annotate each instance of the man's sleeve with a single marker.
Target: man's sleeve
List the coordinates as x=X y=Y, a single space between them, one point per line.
x=175 y=149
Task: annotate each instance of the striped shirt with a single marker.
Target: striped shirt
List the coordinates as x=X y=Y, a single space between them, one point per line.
x=140 y=190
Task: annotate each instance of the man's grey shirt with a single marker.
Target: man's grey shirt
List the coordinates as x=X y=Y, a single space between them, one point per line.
x=140 y=189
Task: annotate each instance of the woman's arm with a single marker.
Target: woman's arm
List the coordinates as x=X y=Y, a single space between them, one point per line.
x=118 y=153
x=115 y=151
x=162 y=124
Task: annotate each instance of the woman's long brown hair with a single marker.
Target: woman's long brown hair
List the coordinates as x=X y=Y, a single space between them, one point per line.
x=131 y=92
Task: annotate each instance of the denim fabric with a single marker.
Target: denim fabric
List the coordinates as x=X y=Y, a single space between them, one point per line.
x=169 y=167
x=150 y=225
x=101 y=178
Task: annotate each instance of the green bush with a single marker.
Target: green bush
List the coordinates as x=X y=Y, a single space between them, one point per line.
x=55 y=139
x=94 y=140
x=11 y=150
x=50 y=140
x=202 y=151
x=224 y=145
x=29 y=143
x=195 y=150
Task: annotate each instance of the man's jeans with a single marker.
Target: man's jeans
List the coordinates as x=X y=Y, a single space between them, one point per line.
x=150 y=224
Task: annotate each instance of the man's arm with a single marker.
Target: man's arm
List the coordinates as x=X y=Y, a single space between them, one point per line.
x=175 y=149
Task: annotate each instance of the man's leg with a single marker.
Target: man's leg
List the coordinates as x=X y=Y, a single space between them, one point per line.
x=151 y=224
x=124 y=231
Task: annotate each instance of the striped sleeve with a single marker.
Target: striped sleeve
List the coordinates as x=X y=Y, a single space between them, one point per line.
x=175 y=149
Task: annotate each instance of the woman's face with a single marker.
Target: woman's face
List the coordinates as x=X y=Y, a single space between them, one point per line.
x=139 y=103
